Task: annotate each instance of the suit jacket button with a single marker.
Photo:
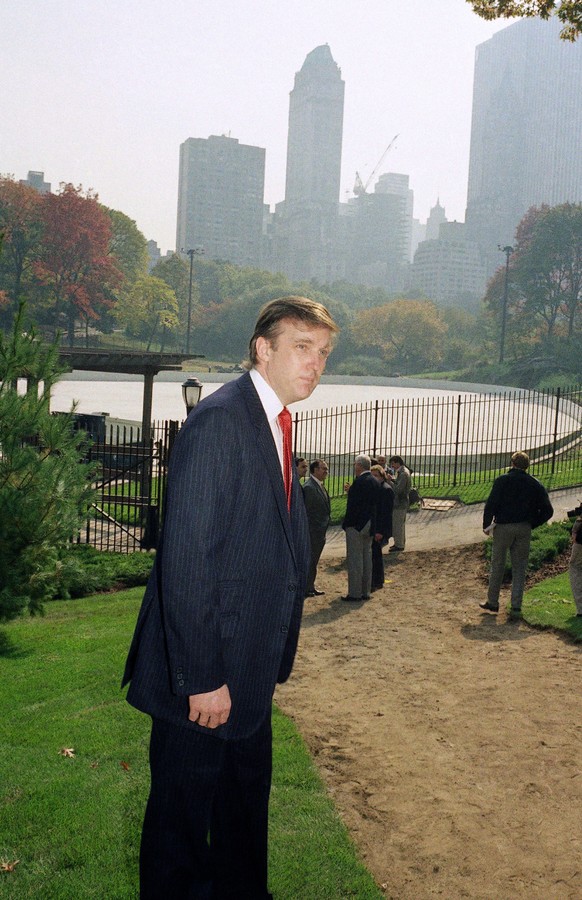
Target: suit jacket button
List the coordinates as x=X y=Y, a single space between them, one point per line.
x=284 y=629
x=291 y=587
x=181 y=682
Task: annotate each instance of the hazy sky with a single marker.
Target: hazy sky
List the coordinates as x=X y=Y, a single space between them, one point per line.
x=102 y=93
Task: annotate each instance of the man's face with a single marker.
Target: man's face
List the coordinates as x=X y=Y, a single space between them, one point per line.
x=321 y=471
x=302 y=468
x=294 y=362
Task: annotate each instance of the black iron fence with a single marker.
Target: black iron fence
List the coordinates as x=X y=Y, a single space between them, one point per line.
x=448 y=441
x=129 y=488
x=452 y=440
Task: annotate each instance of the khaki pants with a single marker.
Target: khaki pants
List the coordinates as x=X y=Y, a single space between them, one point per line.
x=399 y=527
x=515 y=537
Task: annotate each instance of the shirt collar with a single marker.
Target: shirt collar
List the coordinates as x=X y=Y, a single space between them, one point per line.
x=271 y=403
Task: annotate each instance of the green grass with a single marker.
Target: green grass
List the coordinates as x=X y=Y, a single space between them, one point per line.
x=475 y=492
x=549 y=604
x=74 y=823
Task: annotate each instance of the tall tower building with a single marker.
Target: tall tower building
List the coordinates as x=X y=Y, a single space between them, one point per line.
x=306 y=227
x=314 y=139
x=526 y=130
x=220 y=199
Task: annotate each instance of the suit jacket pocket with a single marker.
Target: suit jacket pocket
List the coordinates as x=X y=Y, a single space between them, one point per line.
x=232 y=594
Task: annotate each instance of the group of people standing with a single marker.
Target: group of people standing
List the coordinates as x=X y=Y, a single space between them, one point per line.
x=377 y=503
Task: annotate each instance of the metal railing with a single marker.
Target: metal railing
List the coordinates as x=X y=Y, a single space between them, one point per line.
x=447 y=441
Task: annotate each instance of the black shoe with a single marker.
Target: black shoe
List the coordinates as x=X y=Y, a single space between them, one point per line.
x=515 y=612
x=489 y=606
x=317 y=593
x=396 y=550
x=365 y=596
x=350 y=599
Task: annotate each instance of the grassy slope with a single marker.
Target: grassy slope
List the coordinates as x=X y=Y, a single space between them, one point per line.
x=74 y=823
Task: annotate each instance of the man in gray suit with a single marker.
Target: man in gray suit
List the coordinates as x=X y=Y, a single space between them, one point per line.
x=219 y=623
x=318 y=510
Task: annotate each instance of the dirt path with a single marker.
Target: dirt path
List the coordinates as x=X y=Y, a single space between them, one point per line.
x=451 y=740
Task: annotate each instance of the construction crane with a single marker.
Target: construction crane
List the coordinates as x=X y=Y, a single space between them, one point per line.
x=361 y=188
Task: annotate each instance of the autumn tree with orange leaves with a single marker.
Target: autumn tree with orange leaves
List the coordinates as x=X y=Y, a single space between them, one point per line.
x=75 y=268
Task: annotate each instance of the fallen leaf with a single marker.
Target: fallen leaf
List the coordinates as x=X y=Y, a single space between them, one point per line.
x=8 y=866
x=124 y=766
x=67 y=751
x=94 y=765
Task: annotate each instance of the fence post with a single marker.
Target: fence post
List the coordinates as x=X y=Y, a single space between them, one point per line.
x=555 y=429
x=375 y=440
x=455 y=467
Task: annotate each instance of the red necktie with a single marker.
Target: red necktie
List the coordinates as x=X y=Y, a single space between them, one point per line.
x=285 y=423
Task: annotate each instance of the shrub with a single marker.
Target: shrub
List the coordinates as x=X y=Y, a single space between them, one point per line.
x=547 y=542
x=82 y=570
x=45 y=488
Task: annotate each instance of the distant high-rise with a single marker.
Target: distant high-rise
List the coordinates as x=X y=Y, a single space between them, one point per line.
x=448 y=268
x=314 y=140
x=220 y=199
x=437 y=217
x=306 y=227
x=398 y=185
x=36 y=181
x=526 y=130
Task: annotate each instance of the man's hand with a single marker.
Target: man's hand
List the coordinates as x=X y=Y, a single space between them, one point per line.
x=211 y=709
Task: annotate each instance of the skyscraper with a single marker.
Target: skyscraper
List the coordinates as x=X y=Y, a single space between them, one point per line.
x=526 y=130
x=306 y=225
x=314 y=139
x=220 y=199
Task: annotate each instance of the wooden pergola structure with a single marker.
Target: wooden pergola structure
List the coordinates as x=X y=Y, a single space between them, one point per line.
x=127 y=362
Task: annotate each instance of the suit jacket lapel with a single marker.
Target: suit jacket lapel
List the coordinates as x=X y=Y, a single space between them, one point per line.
x=270 y=457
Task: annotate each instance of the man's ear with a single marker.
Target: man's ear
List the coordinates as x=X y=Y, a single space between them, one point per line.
x=263 y=349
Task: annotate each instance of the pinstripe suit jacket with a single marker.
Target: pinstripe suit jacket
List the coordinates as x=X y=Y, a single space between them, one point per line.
x=224 y=601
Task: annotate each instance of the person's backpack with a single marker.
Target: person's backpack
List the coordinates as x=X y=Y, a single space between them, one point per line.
x=414 y=497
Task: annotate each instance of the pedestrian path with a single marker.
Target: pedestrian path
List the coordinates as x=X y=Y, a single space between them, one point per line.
x=430 y=528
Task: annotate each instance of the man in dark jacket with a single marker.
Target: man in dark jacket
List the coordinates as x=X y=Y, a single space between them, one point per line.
x=318 y=509
x=359 y=525
x=517 y=503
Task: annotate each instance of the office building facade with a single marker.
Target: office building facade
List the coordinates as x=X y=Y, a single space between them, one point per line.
x=526 y=130
x=220 y=199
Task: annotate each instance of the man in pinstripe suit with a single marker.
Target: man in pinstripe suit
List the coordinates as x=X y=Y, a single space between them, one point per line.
x=219 y=623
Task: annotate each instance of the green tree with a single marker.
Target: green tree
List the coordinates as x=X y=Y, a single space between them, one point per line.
x=547 y=265
x=569 y=12
x=150 y=308
x=45 y=489
x=175 y=272
x=128 y=246
x=408 y=333
x=20 y=222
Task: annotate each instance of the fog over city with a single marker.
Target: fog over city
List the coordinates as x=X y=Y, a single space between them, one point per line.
x=102 y=94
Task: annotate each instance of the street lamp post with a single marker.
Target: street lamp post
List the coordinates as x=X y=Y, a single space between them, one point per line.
x=508 y=251
x=191 y=253
x=191 y=392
